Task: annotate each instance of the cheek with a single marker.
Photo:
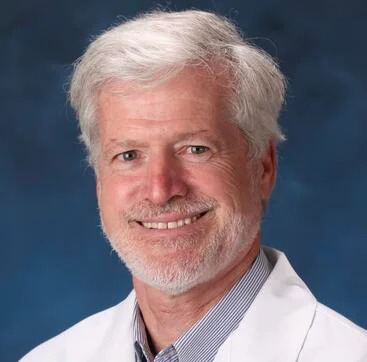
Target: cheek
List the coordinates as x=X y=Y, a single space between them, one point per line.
x=228 y=184
x=115 y=192
x=114 y=187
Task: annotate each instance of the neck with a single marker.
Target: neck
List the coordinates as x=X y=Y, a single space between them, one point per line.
x=167 y=317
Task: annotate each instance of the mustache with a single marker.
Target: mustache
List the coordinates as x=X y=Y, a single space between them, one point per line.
x=188 y=205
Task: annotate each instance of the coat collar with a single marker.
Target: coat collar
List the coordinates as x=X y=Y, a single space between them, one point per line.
x=277 y=323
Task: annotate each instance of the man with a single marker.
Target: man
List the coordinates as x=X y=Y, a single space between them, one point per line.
x=179 y=117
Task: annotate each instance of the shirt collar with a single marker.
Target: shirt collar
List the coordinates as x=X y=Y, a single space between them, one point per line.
x=141 y=345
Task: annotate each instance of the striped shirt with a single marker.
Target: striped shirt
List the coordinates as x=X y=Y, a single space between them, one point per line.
x=202 y=341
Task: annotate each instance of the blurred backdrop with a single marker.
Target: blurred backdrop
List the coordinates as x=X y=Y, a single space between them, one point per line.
x=55 y=266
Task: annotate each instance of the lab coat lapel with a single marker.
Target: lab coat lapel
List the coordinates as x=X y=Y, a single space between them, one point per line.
x=118 y=344
x=276 y=325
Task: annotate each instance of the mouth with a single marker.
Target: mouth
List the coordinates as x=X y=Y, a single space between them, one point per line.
x=172 y=224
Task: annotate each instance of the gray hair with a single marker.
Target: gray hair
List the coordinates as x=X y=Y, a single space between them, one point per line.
x=155 y=47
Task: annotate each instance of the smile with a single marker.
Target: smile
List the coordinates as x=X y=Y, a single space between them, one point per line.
x=174 y=224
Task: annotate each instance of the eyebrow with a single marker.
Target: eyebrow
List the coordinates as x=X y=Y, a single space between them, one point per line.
x=188 y=135
x=125 y=143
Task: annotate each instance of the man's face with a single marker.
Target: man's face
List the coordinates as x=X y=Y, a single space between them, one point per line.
x=178 y=197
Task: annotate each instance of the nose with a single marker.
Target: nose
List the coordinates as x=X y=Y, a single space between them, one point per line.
x=164 y=180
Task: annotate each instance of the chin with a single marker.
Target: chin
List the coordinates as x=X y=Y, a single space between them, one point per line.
x=176 y=276
x=172 y=271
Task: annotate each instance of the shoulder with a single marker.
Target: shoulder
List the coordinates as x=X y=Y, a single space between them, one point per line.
x=81 y=341
x=333 y=337
x=324 y=334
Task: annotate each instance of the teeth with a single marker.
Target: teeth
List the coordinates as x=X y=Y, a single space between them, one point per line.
x=170 y=225
x=162 y=225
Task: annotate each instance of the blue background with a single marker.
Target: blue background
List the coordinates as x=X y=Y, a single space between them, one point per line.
x=55 y=266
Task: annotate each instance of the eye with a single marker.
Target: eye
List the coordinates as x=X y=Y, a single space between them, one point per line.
x=197 y=150
x=128 y=155
x=197 y=153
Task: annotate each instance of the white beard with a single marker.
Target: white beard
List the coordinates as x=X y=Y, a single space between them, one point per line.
x=198 y=258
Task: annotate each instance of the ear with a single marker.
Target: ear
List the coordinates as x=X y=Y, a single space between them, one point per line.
x=268 y=171
x=98 y=189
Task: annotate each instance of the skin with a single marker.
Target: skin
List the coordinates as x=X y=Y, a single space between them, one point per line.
x=160 y=126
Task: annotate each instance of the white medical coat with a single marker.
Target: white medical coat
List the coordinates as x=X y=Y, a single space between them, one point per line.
x=284 y=323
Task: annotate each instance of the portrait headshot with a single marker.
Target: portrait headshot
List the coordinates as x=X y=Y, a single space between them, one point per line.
x=185 y=183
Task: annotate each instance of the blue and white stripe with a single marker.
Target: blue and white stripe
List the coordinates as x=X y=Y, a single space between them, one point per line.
x=202 y=341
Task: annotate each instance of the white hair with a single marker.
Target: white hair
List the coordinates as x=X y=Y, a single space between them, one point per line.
x=155 y=47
